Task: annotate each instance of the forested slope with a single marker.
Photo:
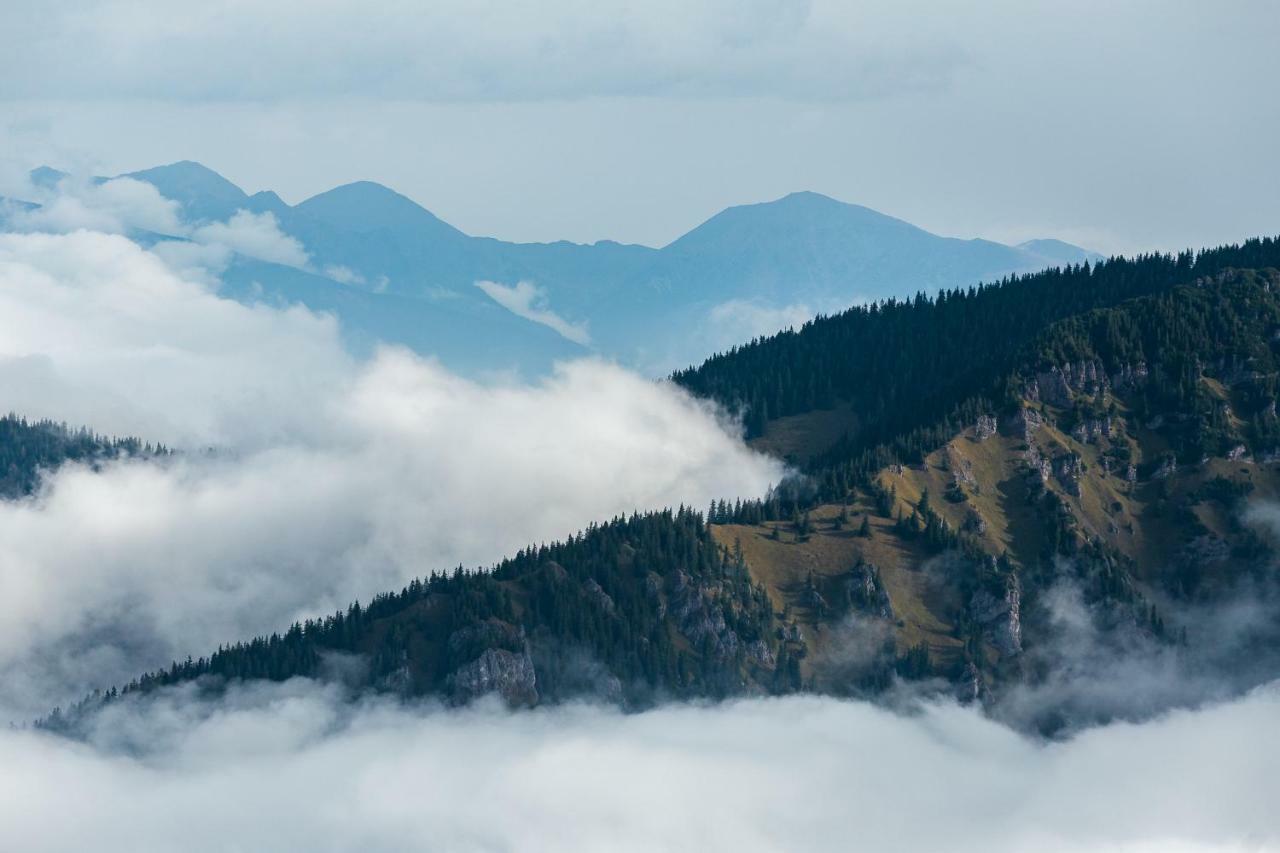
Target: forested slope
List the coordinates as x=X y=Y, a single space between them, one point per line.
x=29 y=447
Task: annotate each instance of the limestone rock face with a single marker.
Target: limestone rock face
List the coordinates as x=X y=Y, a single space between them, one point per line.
x=962 y=471
x=1025 y=422
x=1000 y=616
x=760 y=653
x=494 y=658
x=1069 y=469
x=699 y=617
x=508 y=674
x=1090 y=431
x=1038 y=465
x=971 y=686
x=1059 y=385
x=866 y=593
x=985 y=427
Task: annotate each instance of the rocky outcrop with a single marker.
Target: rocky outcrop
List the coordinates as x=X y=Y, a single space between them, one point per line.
x=1091 y=430
x=1069 y=469
x=1059 y=385
x=1037 y=464
x=698 y=616
x=985 y=427
x=759 y=653
x=1025 y=422
x=866 y=593
x=962 y=472
x=1168 y=467
x=508 y=674
x=1000 y=616
x=971 y=686
x=494 y=658
x=1237 y=453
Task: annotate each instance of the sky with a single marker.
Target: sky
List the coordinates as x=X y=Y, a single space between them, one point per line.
x=1118 y=126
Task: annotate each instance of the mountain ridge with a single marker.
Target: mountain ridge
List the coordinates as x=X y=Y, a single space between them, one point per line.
x=651 y=308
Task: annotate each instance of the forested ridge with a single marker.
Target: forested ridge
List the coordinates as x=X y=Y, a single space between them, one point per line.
x=29 y=447
x=905 y=366
x=637 y=607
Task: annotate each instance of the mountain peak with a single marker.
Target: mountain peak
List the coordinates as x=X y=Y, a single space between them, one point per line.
x=202 y=192
x=805 y=197
x=46 y=176
x=189 y=173
x=370 y=206
x=799 y=215
x=1059 y=251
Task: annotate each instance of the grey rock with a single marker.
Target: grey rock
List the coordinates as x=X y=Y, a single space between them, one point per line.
x=509 y=674
x=1000 y=616
x=597 y=594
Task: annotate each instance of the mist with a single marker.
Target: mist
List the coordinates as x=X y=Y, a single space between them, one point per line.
x=297 y=766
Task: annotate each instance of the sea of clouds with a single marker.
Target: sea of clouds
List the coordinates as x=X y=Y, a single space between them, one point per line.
x=296 y=766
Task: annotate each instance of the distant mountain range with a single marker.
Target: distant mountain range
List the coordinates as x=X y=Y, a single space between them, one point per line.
x=393 y=271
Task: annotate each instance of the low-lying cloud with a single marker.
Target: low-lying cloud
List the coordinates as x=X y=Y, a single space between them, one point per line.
x=309 y=478
x=128 y=206
x=295 y=766
x=115 y=206
x=527 y=300
x=254 y=235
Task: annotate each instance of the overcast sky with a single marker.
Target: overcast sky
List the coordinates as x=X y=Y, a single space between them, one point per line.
x=1117 y=125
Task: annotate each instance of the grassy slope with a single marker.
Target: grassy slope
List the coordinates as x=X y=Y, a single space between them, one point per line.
x=1133 y=519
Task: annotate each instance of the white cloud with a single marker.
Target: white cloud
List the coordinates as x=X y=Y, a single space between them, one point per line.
x=344 y=275
x=95 y=330
x=293 y=767
x=126 y=206
x=333 y=479
x=116 y=206
x=254 y=235
x=742 y=319
x=527 y=300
